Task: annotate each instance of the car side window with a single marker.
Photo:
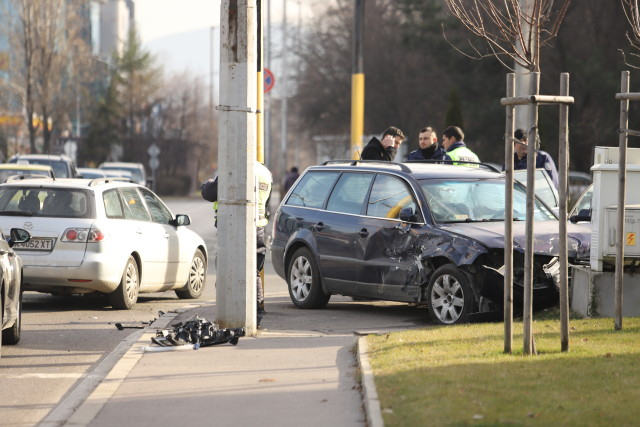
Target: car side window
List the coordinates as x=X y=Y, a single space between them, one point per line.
x=112 y=204
x=312 y=189
x=389 y=195
x=157 y=209
x=134 y=208
x=350 y=192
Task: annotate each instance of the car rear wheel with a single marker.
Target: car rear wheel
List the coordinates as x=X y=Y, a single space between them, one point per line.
x=11 y=335
x=449 y=296
x=303 y=280
x=197 y=275
x=126 y=295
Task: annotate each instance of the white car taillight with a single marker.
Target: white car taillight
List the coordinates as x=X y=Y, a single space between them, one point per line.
x=82 y=235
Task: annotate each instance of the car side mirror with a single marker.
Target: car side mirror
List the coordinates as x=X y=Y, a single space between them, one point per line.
x=181 y=219
x=583 y=215
x=407 y=215
x=18 y=235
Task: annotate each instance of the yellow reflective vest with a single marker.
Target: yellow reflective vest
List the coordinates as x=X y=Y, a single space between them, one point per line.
x=263 y=185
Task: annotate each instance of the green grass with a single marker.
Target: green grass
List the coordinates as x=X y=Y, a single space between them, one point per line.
x=459 y=376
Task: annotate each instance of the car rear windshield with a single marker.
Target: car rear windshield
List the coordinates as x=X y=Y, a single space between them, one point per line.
x=477 y=200
x=46 y=202
x=6 y=173
x=136 y=173
x=60 y=167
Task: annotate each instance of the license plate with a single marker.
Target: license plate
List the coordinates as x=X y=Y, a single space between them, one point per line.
x=35 y=245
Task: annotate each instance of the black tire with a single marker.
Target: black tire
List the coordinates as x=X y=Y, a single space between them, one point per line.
x=303 y=281
x=197 y=277
x=449 y=296
x=11 y=336
x=126 y=295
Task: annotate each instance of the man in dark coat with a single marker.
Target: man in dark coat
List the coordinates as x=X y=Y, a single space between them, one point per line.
x=429 y=149
x=543 y=159
x=385 y=149
x=291 y=177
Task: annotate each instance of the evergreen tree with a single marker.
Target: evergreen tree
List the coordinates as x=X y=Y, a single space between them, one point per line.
x=454 y=110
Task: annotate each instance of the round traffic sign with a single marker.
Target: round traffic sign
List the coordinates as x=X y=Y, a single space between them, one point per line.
x=154 y=163
x=269 y=80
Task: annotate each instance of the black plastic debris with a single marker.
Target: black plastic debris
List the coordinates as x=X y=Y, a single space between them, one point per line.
x=197 y=331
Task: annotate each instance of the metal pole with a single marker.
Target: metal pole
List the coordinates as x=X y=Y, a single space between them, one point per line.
x=622 y=190
x=236 y=279
x=508 y=217
x=267 y=110
x=283 y=118
x=357 y=82
x=529 y=347
x=563 y=162
x=259 y=89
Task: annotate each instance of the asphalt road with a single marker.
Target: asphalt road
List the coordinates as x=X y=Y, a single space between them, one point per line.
x=64 y=339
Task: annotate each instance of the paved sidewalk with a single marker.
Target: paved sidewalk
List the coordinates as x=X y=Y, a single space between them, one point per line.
x=283 y=378
x=300 y=370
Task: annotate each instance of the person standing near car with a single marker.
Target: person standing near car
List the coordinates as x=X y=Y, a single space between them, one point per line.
x=455 y=148
x=263 y=186
x=543 y=159
x=290 y=179
x=385 y=149
x=429 y=149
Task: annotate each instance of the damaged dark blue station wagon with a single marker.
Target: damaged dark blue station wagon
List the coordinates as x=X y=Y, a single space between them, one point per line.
x=414 y=232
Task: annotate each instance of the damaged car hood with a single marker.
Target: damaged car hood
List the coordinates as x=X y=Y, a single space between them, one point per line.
x=547 y=240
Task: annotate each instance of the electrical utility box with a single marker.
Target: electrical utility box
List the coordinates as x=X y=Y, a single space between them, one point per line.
x=631 y=232
x=604 y=205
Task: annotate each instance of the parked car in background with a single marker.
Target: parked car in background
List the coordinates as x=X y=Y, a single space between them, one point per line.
x=63 y=166
x=102 y=235
x=581 y=211
x=11 y=286
x=415 y=232
x=11 y=169
x=90 y=173
x=136 y=170
x=578 y=183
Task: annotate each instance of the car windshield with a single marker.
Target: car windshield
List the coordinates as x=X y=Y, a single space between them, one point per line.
x=46 y=202
x=6 y=173
x=60 y=168
x=477 y=200
x=136 y=175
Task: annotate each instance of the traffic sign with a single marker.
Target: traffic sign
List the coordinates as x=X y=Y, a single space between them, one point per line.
x=154 y=163
x=153 y=150
x=269 y=80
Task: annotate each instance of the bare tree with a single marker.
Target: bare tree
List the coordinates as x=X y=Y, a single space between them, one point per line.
x=48 y=40
x=509 y=29
x=632 y=13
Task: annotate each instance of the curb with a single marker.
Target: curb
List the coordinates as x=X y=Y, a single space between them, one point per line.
x=370 y=394
x=84 y=402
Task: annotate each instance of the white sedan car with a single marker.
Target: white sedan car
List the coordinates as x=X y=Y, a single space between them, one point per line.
x=102 y=235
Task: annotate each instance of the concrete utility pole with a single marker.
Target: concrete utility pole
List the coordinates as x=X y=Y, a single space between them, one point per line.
x=285 y=94
x=236 y=264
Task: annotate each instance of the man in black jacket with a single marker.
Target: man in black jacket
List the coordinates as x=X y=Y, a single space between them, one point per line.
x=385 y=149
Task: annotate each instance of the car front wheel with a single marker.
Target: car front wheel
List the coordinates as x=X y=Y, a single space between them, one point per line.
x=449 y=296
x=11 y=335
x=197 y=275
x=126 y=295
x=303 y=280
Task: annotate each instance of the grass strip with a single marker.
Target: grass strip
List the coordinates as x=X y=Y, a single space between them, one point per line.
x=459 y=376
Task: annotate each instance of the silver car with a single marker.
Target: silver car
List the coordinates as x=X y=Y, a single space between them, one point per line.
x=11 y=287
x=102 y=235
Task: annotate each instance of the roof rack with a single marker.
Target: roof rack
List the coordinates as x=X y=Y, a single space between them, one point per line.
x=450 y=162
x=105 y=180
x=14 y=178
x=351 y=162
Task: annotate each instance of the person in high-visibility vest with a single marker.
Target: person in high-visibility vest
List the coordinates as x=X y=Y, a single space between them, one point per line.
x=455 y=148
x=263 y=185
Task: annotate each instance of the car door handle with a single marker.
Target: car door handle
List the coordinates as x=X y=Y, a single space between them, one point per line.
x=319 y=226
x=166 y=235
x=139 y=231
x=364 y=232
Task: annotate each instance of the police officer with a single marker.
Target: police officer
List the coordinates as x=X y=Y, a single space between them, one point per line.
x=543 y=159
x=264 y=182
x=263 y=185
x=455 y=148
